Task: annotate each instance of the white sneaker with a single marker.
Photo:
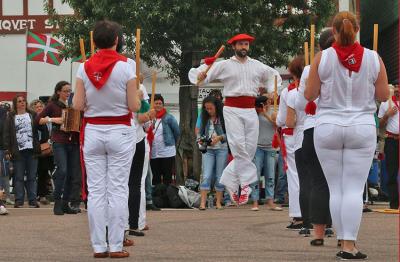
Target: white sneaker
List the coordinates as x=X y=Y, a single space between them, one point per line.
x=244 y=195
x=233 y=196
x=9 y=202
x=3 y=210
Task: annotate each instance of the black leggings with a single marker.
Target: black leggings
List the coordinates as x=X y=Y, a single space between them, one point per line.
x=392 y=167
x=305 y=187
x=135 y=179
x=45 y=166
x=319 y=190
x=162 y=169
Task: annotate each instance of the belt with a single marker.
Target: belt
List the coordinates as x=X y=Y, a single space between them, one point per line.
x=392 y=135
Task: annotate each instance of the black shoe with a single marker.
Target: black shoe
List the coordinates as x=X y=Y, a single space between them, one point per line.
x=58 y=207
x=18 y=205
x=317 y=242
x=343 y=255
x=152 y=207
x=305 y=232
x=67 y=209
x=329 y=232
x=136 y=233
x=366 y=210
x=293 y=226
x=76 y=208
x=279 y=201
x=34 y=204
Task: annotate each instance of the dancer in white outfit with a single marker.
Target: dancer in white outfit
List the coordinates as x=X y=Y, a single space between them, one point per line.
x=289 y=141
x=106 y=92
x=347 y=78
x=241 y=77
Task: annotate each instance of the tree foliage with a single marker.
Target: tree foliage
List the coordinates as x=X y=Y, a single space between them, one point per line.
x=177 y=34
x=171 y=28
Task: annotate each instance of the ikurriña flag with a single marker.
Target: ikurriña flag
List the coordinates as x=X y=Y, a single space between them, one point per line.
x=43 y=48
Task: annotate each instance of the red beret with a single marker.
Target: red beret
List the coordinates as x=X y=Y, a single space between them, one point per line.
x=240 y=37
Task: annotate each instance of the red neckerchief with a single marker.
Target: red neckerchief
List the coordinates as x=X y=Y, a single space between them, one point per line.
x=396 y=102
x=350 y=56
x=99 y=67
x=292 y=85
x=150 y=135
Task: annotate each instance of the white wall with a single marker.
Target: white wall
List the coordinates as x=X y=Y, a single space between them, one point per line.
x=42 y=77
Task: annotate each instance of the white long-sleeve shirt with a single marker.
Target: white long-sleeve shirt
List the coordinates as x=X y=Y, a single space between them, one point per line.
x=239 y=79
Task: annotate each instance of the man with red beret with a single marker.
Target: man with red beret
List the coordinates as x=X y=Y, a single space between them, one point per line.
x=241 y=77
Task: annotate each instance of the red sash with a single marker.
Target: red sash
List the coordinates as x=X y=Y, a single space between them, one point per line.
x=241 y=101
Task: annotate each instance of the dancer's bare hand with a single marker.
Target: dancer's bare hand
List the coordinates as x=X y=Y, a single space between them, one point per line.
x=273 y=116
x=392 y=111
x=152 y=114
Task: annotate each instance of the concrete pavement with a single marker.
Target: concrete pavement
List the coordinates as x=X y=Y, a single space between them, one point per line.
x=233 y=234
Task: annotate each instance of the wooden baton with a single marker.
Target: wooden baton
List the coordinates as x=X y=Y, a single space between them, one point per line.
x=220 y=50
x=153 y=89
x=312 y=42
x=276 y=93
x=306 y=55
x=82 y=46
x=91 y=43
x=137 y=57
x=375 y=43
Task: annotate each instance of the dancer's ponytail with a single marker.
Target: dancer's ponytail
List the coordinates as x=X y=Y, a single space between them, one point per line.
x=345 y=24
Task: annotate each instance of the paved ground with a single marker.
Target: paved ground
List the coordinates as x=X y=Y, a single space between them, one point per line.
x=233 y=234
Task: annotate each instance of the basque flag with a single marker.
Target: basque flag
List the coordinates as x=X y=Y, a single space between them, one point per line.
x=43 y=48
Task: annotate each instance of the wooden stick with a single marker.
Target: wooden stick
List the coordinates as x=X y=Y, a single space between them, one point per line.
x=137 y=56
x=153 y=89
x=276 y=94
x=82 y=46
x=375 y=43
x=312 y=42
x=91 y=43
x=219 y=52
x=306 y=55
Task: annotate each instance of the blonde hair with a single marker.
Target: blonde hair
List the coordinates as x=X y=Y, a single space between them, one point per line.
x=346 y=26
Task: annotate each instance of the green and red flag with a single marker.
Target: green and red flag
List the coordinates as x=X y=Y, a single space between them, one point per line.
x=43 y=48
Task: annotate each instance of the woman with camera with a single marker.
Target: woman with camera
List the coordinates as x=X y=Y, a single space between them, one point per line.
x=212 y=143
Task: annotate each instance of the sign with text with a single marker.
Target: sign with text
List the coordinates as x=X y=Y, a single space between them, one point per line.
x=19 y=24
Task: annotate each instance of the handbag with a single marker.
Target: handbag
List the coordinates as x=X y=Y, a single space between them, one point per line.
x=45 y=149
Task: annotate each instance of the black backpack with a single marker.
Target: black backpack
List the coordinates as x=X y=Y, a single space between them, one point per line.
x=160 y=198
x=173 y=197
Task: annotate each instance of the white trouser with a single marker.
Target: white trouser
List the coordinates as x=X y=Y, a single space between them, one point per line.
x=142 y=210
x=108 y=152
x=242 y=132
x=292 y=178
x=345 y=154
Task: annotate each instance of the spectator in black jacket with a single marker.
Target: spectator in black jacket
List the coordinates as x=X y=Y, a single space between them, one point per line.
x=45 y=162
x=4 y=172
x=22 y=143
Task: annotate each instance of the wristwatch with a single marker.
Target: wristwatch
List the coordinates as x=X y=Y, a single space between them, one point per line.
x=49 y=120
